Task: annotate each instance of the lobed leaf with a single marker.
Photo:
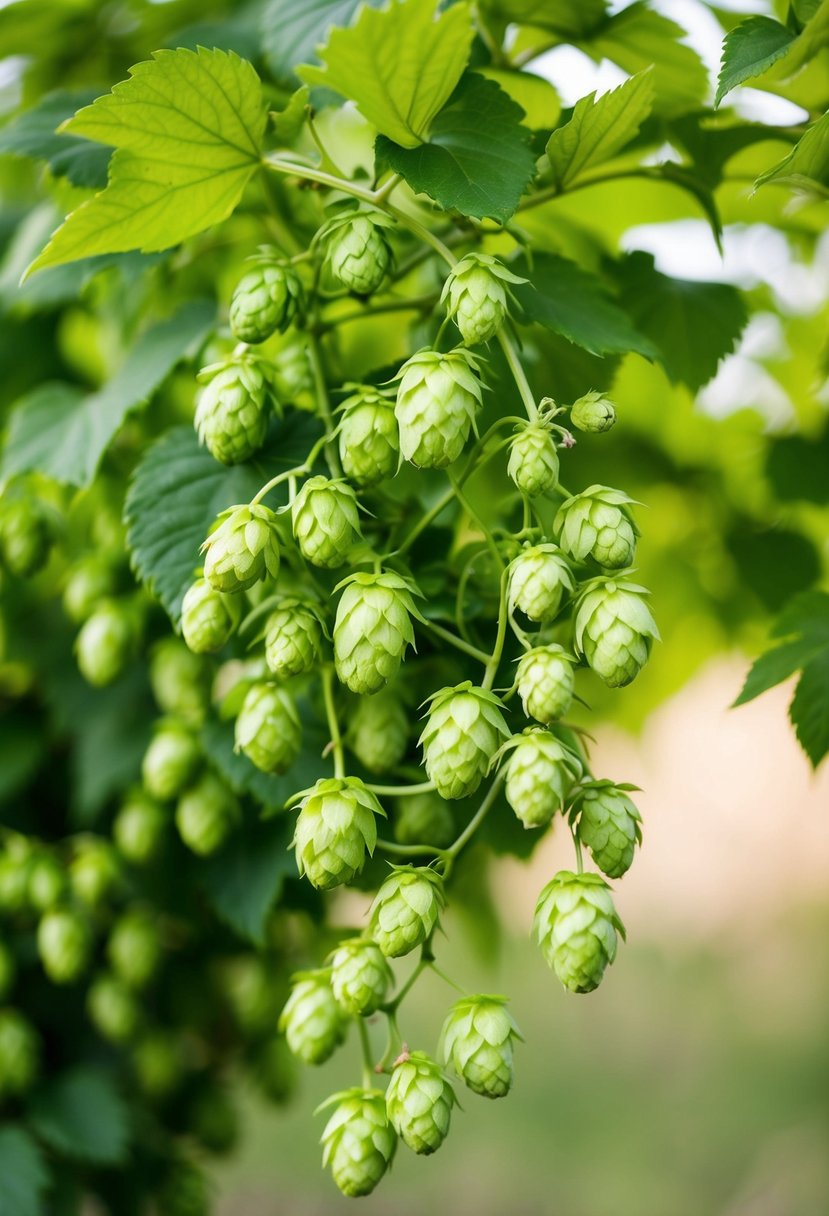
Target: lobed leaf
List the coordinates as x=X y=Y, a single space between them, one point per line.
x=81 y=1115
x=599 y=128
x=809 y=710
x=749 y=50
x=807 y=165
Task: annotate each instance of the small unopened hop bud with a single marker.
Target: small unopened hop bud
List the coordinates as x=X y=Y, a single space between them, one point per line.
x=232 y=410
x=593 y=412
x=372 y=629
x=540 y=773
x=243 y=549
x=356 y=250
x=406 y=909
x=312 y=1021
x=63 y=943
x=478 y=1039
x=576 y=926
x=208 y=618
x=326 y=521
x=360 y=976
x=610 y=825
x=358 y=1141
x=90 y=580
x=105 y=643
x=206 y=814
x=266 y=299
x=293 y=639
x=378 y=731
x=336 y=828
x=19 y=1053
x=368 y=437
x=475 y=295
x=419 y=1102
x=25 y=536
x=614 y=630
x=170 y=762
x=139 y=828
x=545 y=682
x=134 y=947
x=268 y=729
x=597 y=524
x=113 y=1008
x=533 y=460
x=438 y=399
x=538 y=579
x=463 y=731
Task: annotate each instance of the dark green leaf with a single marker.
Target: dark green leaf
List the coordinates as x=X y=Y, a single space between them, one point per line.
x=34 y=133
x=24 y=1177
x=245 y=879
x=22 y=748
x=81 y=1115
x=809 y=710
x=797 y=468
x=569 y=19
x=292 y=32
x=774 y=563
x=807 y=614
x=749 y=50
x=478 y=158
x=777 y=665
x=109 y=746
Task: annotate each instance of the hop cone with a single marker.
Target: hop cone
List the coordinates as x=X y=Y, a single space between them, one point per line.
x=597 y=524
x=293 y=639
x=360 y=976
x=419 y=1102
x=266 y=299
x=89 y=581
x=614 y=630
x=538 y=578
x=609 y=824
x=180 y=681
x=540 y=773
x=25 y=537
x=406 y=909
x=206 y=814
x=369 y=441
x=545 y=683
x=105 y=644
x=372 y=629
x=45 y=881
x=291 y=376
x=326 y=521
x=268 y=729
x=139 y=828
x=254 y=996
x=157 y=1061
x=170 y=762
x=113 y=1008
x=576 y=925
x=533 y=460
x=477 y=1044
x=312 y=1021
x=243 y=549
x=477 y=298
x=378 y=731
x=437 y=400
x=208 y=618
x=424 y=819
x=593 y=412
x=7 y=972
x=94 y=871
x=231 y=413
x=134 y=948
x=358 y=1141
x=63 y=943
x=462 y=733
x=335 y=829
x=357 y=252
x=19 y=1053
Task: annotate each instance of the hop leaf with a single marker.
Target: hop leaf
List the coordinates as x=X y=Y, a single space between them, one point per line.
x=419 y=1102
x=438 y=399
x=597 y=524
x=358 y=1141
x=335 y=829
x=372 y=629
x=576 y=926
x=614 y=630
x=312 y=1021
x=406 y=909
x=464 y=729
x=478 y=1044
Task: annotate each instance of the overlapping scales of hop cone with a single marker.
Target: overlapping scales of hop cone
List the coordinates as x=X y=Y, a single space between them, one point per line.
x=609 y=824
x=378 y=731
x=538 y=579
x=243 y=549
x=358 y=1141
x=25 y=536
x=326 y=521
x=614 y=630
x=419 y=1102
x=266 y=299
x=368 y=437
x=268 y=729
x=545 y=682
x=357 y=251
x=232 y=410
x=406 y=909
x=594 y=412
x=293 y=638
x=476 y=296
x=206 y=814
x=360 y=976
x=597 y=524
x=438 y=399
x=478 y=1039
x=312 y=1021
x=372 y=629
x=463 y=731
x=540 y=774
x=533 y=460
x=208 y=618
x=335 y=829
x=576 y=926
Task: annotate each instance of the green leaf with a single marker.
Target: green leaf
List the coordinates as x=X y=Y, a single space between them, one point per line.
x=33 y=133
x=81 y=1115
x=399 y=66
x=188 y=131
x=569 y=19
x=807 y=165
x=478 y=159
x=246 y=878
x=535 y=95
x=599 y=128
x=574 y=303
x=693 y=324
x=178 y=490
x=288 y=123
x=806 y=614
x=777 y=665
x=24 y=1177
x=749 y=50
x=796 y=468
x=58 y=430
x=809 y=710
x=109 y=749
x=292 y=32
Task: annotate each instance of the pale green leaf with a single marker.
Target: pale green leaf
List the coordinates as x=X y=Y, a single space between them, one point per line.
x=809 y=710
x=749 y=50
x=188 y=128
x=399 y=66
x=599 y=128
x=535 y=95
x=82 y=1116
x=806 y=167
x=24 y=1176
x=291 y=32
x=288 y=123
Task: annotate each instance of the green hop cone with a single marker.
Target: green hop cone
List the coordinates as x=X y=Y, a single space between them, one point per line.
x=424 y=819
x=576 y=926
x=113 y=1008
x=268 y=729
x=19 y=1053
x=545 y=683
x=95 y=870
x=105 y=643
x=63 y=943
x=25 y=536
x=360 y=976
x=372 y=629
x=368 y=437
x=335 y=829
x=170 y=762
x=45 y=881
x=593 y=413
x=357 y=251
x=206 y=814
x=326 y=521
x=609 y=825
x=134 y=948
x=292 y=377
x=597 y=524
x=533 y=460
x=266 y=299
x=464 y=729
x=180 y=681
x=419 y=1102
x=139 y=829
x=90 y=580
x=478 y=1044
x=312 y=1021
x=540 y=773
x=358 y=1141
x=406 y=909
x=378 y=731
x=614 y=630
x=475 y=296
x=438 y=398
x=538 y=579
x=252 y=993
x=232 y=410
x=208 y=618
x=293 y=639
x=156 y=1059
x=243 y=549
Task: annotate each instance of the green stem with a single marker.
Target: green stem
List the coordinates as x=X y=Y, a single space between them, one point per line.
x=388 y=187
x=518 y=373
x=413 y=304
x=577 y=845
x=401 y=791
x=333 y=723
x=332 y=456
x=407 y=850
x=312 y=174
x=500 y=638
x=368 y=1061
x=424 y=521
x=475 y=822
x=457 y=642
x=426 y=958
